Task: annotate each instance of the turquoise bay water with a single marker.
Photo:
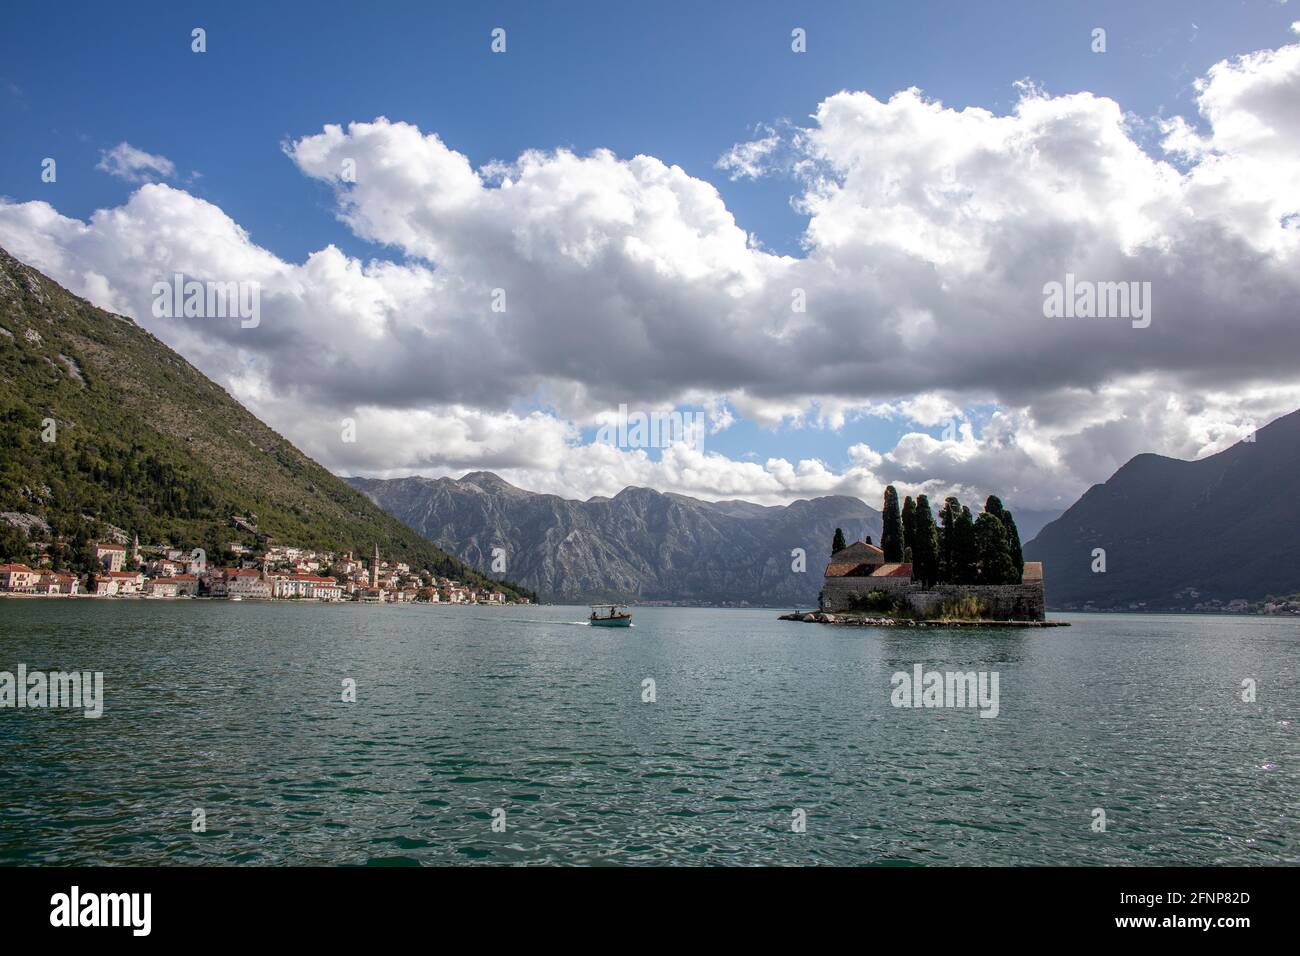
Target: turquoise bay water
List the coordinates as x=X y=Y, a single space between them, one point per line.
x=236 y=709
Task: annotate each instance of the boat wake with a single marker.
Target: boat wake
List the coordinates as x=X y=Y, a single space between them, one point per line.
x=522 y=620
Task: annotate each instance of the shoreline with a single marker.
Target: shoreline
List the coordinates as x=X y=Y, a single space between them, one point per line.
x=861 y=620
x=791 y=616
x=243 y=600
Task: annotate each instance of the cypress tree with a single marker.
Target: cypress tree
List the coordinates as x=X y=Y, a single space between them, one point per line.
x=995 y=507
x=838 y=543
x=891 y=535
x=993 y=554
x=908 y=517
x=925 y=544
x=964 y=555
x=1013 y=541
x=948 y=540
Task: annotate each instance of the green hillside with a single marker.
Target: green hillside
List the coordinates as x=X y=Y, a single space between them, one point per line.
x=147 y=443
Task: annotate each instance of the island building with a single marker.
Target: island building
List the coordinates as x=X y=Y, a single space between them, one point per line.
x=859 y=569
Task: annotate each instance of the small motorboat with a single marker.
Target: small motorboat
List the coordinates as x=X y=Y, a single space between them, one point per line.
x=610 y=615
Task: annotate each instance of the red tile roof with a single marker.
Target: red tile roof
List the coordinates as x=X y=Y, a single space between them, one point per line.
x=857 y=551
x=896 y=570
x=851 y=569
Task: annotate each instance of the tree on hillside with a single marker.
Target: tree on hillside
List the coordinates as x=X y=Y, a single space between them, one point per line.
x=57 y=559
x=925 y=544
x=1013 y=541
x=907 y=518
x=215 y=545
x=838 y=543
x=993 y=505
x=891 y=534
x=14 y=545
x=70 y=538
x=948 y=518
x=993 y=554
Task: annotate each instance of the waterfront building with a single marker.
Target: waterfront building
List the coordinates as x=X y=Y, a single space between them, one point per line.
x=111 y=556
x=18 y=578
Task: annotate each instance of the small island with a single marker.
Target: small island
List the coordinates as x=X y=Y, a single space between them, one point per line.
x=960 y=572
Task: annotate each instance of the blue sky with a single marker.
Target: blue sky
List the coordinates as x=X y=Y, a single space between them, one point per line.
x=679 y=81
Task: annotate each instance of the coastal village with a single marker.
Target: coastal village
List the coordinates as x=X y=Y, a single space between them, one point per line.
x=280 y=572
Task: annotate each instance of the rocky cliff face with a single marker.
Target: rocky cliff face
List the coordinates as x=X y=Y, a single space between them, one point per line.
x=640 y=545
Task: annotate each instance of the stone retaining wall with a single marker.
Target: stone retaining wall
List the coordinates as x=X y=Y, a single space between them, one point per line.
x=1005 y=602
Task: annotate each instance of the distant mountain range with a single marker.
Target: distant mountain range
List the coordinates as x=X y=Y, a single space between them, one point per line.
x=1178 y=534
x=640 y=545
x=102 y=425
